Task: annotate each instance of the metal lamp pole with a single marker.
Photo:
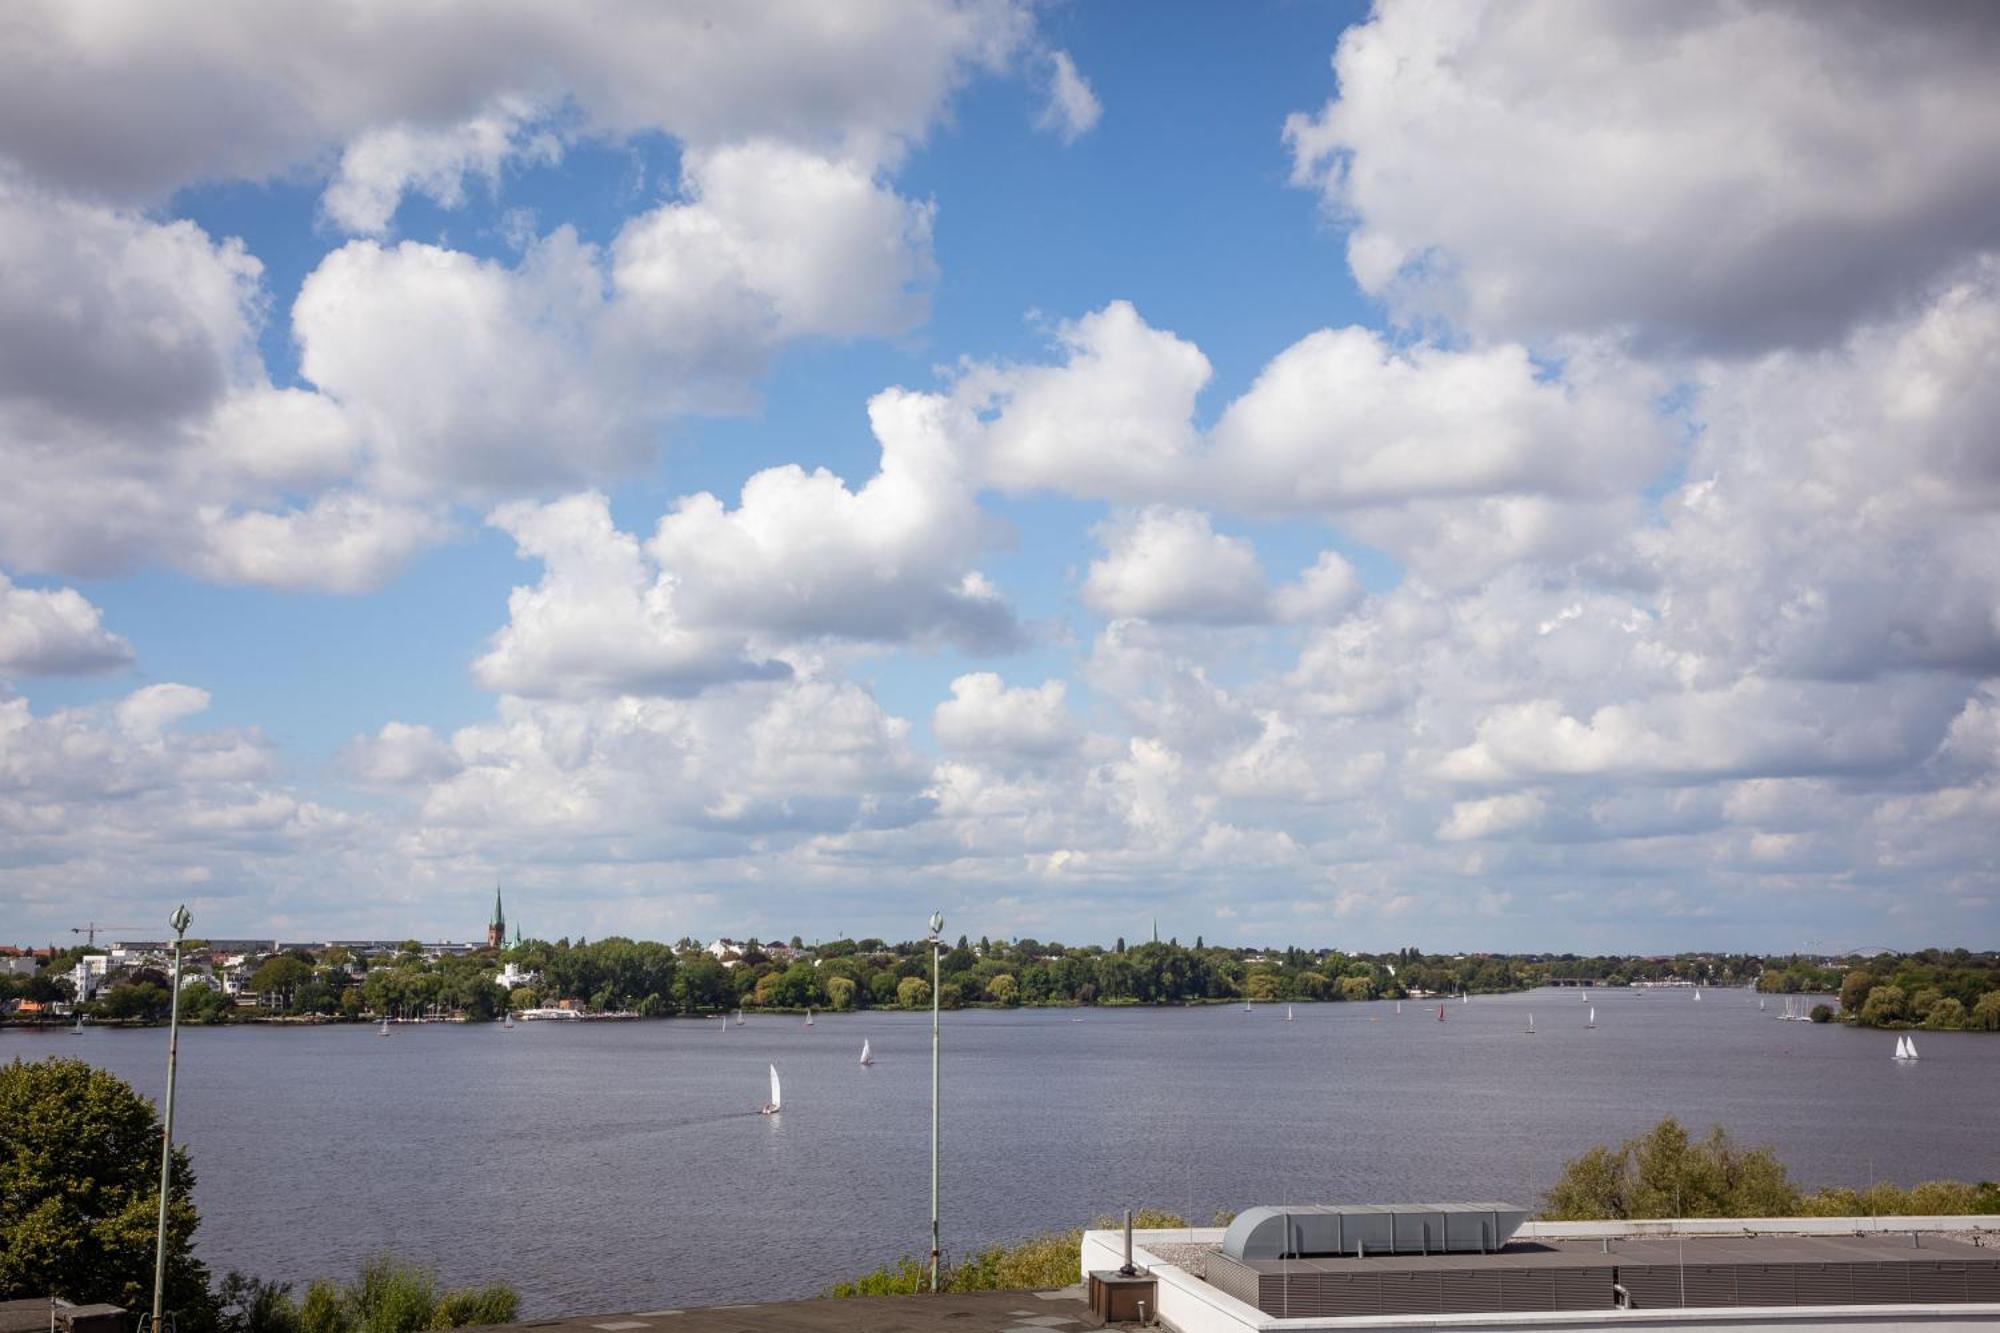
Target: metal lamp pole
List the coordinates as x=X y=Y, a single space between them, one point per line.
x=937 y=928
x=179 y=921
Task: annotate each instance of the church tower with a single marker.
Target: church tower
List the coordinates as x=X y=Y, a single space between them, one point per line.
x=496 y=929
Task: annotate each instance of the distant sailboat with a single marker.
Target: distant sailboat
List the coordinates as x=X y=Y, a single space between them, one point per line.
x=1910 y=1045
x=739 y=1018
x=1593 y=1017
x=507 y=1023
x=1760 y=1004
x=777 y=1101
x=809 y=1016
x=1288 y=1013
x=1399 y=1006
x=383 y=1031
x=1246 y=1006
x=866 y=1057
x=1697 y=992
x=1531 y=1025
x=77 y=1031
x=1440 y=1013
x=1463 y=998
x=1905 y=1049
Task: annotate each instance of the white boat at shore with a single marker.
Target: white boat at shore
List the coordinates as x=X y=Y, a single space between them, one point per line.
x=549 y=1013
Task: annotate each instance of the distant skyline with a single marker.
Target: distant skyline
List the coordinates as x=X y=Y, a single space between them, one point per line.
x=1519 y=476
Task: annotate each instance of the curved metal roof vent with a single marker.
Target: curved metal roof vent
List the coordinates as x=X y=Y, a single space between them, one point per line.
x=1361 y=1229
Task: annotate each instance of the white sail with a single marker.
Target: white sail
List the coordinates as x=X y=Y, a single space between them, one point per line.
x=1399 y=1006
x=1902 y=1052
x=866 y=1058
x=809 y=1016
x=777 y=1101
x=1593 y=1015
x=1288 y=1013
x=1697 y=993
x=1910 y=1045
x=1531 y=1022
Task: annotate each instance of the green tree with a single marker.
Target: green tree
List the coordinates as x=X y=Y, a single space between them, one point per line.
x=1664 y=1173
x=79 y=1192
x=1854 y=991
x=840 y=992
x=1003 y=989
x=1947 y=1015
x=1821 y=1013
x=913 y=992
x=1986 y=1012
x=277 y=978
x=1885 y=1004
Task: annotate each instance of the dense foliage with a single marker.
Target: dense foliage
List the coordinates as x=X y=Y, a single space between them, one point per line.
x=388 y=1296
x=1665 y=1173
x=1040 y=1263
x=1934 y=988
x=1937 y=989
x=79 y=1192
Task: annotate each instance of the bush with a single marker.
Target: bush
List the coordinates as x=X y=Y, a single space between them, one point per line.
x=391 y=1296
x=1821 y=1014
x=1041 y=1263
x=1663 y=1173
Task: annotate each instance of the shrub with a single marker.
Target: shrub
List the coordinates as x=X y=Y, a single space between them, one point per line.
x=1040 y=1263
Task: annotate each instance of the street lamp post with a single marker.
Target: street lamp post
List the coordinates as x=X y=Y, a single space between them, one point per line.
x=179 y=921
x=937 y=928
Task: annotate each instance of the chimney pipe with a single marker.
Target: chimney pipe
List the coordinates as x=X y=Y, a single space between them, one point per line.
x=1127 y=1269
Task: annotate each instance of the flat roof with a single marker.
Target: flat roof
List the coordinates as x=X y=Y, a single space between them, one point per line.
x=1629 y=1251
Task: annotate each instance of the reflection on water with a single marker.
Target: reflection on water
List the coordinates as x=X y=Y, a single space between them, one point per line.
x=623 y=1166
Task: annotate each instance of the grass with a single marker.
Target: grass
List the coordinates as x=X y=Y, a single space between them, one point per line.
x=1040 y=1263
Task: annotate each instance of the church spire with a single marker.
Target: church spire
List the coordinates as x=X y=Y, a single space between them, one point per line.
x=496 y=929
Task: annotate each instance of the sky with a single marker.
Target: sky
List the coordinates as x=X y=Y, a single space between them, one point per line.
x=1460 y=476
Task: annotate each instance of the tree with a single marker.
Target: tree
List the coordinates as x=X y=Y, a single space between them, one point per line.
x=1947 y=1015
x=1003 y=989
x=1663 y=1173
x=840 y=992
x=1986 y=1012
x=79 y=1192
x=276 y=978
x=1885 y=1004
x=1821 y=1013
x=913 y=992
x=1854 y=991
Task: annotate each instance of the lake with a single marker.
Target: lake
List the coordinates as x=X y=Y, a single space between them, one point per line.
x=622 y=1166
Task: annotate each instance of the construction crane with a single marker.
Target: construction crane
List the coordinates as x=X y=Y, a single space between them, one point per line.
x=89 y=931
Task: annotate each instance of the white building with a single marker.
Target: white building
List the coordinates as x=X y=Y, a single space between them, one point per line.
x=89 y=975
x=513 y=976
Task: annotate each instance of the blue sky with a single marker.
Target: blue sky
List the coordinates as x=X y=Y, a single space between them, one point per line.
x=1509 y=478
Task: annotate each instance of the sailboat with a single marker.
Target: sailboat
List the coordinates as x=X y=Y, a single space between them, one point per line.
x=1440 y=1013
x=1697 y=992
x=1463 y=998
x=77 y=1031
x=507 y=1023
x=739 y=1018
x=1246 y=1006
x=867 y=1058
x=1910 y=1045
x=1593 y=1017
x=1905 y=1049
x=1531 y=1025
x=776 y=1103
x=383 y=1031
x=1399 y=1006
x=1288 y=1013
x=809 y=1015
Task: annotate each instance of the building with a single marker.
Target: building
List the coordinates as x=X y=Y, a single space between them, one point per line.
x=496 y=929
x=89 y=975
x=1469 y=1266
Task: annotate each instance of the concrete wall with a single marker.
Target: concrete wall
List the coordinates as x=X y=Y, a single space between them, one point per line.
x=1189 y=1305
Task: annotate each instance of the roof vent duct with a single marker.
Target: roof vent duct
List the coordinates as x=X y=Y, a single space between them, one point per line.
x=1357 y=1229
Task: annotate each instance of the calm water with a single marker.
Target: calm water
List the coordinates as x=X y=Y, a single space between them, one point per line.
x=621 y=1166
